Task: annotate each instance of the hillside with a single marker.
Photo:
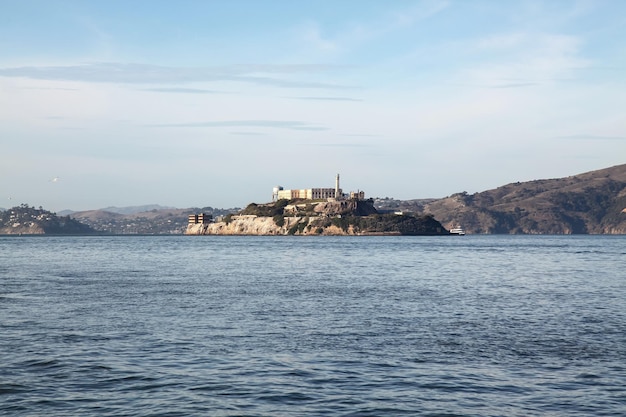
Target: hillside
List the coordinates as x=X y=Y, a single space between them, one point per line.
x=29 y=220
x=592 y=203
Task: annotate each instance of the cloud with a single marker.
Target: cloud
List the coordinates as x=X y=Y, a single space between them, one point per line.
x=130 y=73
x=277 y=124
x=520 y=60
x=340 y=145
x=515 y=85
x=327 y=98
x=248 y=133
x=423 y=10
x=51 y=88
x=353 y=35
x=584 y=136
x=312 y=34
x=181 y=90
x=291 y=84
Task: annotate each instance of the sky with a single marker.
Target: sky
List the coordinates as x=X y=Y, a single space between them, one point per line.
x=213 y=103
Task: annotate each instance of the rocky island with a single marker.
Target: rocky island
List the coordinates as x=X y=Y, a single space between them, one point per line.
x=315 y=211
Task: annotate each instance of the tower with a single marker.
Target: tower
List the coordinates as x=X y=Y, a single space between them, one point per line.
x=337 y=187
x=275 y=191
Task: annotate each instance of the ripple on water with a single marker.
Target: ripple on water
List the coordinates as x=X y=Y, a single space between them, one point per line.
x=483 y=326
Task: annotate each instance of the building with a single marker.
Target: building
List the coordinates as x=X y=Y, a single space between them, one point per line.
x=307 y=194
x=315 y=193
x=357 y=195
x=200 y=218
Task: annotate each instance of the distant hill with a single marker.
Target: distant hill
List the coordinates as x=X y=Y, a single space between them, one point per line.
x=592 y=203
x=123 y=210
x=132 y=220
x=137 y=209
x=24 y=219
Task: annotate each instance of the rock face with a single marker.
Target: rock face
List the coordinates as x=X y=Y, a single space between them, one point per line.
x=301 y=226
x=334 y=208
x=265 y=226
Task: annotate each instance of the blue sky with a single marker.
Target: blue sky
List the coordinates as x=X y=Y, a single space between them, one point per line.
x=213 y=103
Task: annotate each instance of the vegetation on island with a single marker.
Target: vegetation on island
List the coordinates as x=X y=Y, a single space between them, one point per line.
x=313 y=217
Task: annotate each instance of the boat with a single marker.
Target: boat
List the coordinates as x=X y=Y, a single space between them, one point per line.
x=457 y=231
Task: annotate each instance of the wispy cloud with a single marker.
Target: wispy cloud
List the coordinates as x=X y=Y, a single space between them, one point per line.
x=584 y=136
x=326 y=98
x=181 y=90
x=276 y=124
x=129 y=73
x=356 y=34
x=521 y=60
x=515 y=85
x=422 y=10
x=51 y=88
x=339 y=145
x=248 y=133
x=312 y=34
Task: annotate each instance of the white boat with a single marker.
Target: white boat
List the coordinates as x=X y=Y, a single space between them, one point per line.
x=457 y=231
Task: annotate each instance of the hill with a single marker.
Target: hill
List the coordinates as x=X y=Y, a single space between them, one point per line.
x=588 y=203
x=132 y=220
x=29 y=220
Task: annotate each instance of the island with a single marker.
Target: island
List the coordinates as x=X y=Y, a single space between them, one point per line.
x=315 y=211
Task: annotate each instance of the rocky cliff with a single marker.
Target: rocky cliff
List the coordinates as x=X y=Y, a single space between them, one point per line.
x=338 y=226
x=265 y=226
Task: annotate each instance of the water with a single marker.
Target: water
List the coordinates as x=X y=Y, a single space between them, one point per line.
x=318 y=326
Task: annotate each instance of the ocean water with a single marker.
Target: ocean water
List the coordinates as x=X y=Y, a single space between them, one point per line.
x=313 y=326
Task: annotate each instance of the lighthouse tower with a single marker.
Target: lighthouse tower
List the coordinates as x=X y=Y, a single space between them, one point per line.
x=275 y=192
x=337 y=187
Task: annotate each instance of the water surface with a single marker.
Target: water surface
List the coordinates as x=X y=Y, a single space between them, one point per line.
x=304 y=326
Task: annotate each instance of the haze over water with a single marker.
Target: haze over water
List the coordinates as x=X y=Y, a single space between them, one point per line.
x=346 y=326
